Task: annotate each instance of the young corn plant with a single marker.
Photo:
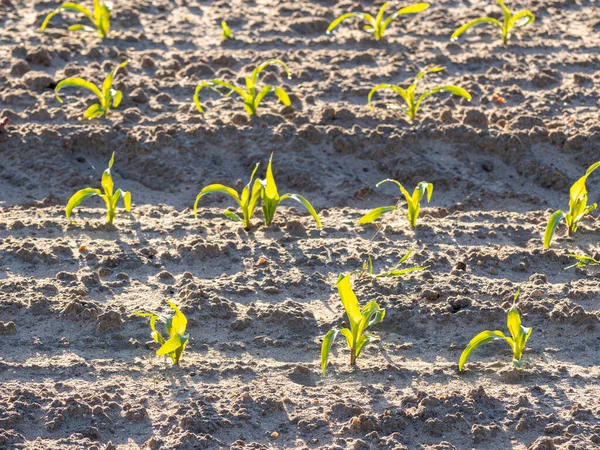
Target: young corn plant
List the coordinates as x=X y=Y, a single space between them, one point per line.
x=100 y=16
x=251 y=95
x=582 y=261
x=413 y=203
x=377 y=25
x=517 y=340
x=175 y=326
x=247 y=201
x=110 y=196
x=107 y=96
x=578 y=208
x=396 y=271
x=412 y=102
x=270 y=198
x=517 y=20
x=359 y=319
x=226 y=31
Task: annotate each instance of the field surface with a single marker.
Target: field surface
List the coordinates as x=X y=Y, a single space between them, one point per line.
x=78 y=369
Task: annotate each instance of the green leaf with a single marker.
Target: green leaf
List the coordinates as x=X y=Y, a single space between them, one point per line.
x=77 y=198
x=226 y=30
x=106 y=86
x=472 y=23
x=326 y=348
x=282 y=96
x=68 y=6
x=521 y=19
x=401 y=92
x=179 y=321
x=93 y=111
x=399 y=272
x=340 y=19
x=349 y=301
x=482 y=338
x=405 y=257
x=232 y=216
x=413 y=9
x=77 y=82
x=264 y=91
x=176 y=341
x=375 y=214
x=551 y=227
x=126 y=200
x=306 y=204
x=117 y=96
x=213 y=188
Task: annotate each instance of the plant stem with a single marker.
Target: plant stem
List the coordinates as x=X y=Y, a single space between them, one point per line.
x=352 y=357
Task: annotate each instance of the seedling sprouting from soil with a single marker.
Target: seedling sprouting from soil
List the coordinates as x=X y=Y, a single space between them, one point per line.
x=582 y=261
x=377 y=25
x=396 y=271
x=107 y=96
x=518 y=20
x=413 y=203
x=360 y=320
x=226 y=33
x=519 y=335
x=270 y=198
x=251 y=95
x=578 y=208
x=408 y=95
x=100 y=17
x=247 y=201
x=110 y=197
x=175 y=327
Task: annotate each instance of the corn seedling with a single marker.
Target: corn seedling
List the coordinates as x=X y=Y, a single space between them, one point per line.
x=517 y=20
x=408 y=95
x=270 y=198
x=377 y=25
x=519 y=335
x=247 y=201
x=226 y=33
x=582 y=261
x=100 y=16
x=251 y=95
x=413 y=203
x=396 y=271
x=107 y=97
x=175 y=326
x=359 y=319
x=578 y=208
x=110 y=197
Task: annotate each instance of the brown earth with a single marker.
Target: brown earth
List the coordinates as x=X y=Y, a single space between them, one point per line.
x=77 y=370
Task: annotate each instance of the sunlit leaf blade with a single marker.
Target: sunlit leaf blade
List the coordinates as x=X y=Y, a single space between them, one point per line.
x=457 y=91
x=78 y=197
x=406 y=256
x=582 y=261
x=522 y=18
x=413 y=9
x=179 y=321
x=126 y=200
x=472 y=23
x=117 y=97
x=264 y=91
x=68 y=6
x=106 y=86
x=375 y=214
x=399 y=272
x=340 y=19
x=349 y=301
x=398 y=90
x=326 y=348
x=214 y=188
x=232 y=216
x=77 y=82
x=172 y=344
x=304 y=202
x=226 y=30
x=551 y=227
x=482 y=338
x=282 y=96
x=93 y=111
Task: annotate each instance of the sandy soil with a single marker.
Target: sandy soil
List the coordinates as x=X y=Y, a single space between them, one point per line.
x=78 y=370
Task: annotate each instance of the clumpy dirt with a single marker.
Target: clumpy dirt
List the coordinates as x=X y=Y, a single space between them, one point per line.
x=78 y=370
